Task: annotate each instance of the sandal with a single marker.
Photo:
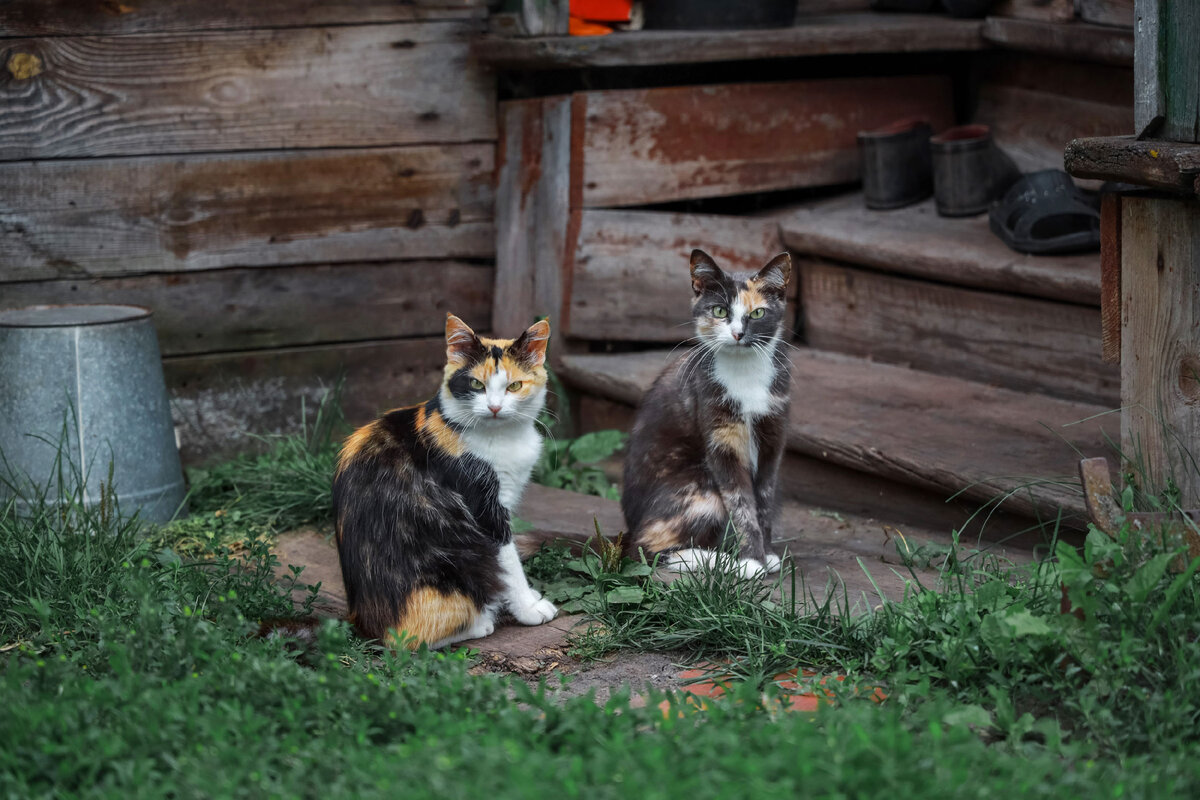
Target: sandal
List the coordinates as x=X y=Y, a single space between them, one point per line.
x=1044 y=212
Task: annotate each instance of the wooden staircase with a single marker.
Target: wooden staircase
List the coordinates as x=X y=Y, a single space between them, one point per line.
x=931 y=361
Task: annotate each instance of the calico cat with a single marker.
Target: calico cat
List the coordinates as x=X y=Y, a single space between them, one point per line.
x=703 y=458
x=422 y=497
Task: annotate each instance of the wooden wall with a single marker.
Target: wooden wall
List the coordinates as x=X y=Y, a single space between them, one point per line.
x=296 y=189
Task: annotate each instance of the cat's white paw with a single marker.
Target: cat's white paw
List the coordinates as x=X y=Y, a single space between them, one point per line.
x=534 y=611
x=748 y=568
x=772 y=563
x=485 y=625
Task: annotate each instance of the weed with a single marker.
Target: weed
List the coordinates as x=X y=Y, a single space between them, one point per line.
x=571 y=463
x=288 y=485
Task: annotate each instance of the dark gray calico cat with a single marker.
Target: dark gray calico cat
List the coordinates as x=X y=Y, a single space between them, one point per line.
x=703 y=459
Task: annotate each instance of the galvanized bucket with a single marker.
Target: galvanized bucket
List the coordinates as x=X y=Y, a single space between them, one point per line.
x=86 y=382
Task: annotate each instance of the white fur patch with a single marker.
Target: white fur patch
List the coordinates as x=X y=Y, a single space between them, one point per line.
x=697 y=559
x=512 y=448
x=746 y=373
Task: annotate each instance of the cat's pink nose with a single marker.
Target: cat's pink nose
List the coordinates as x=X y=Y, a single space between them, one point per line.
x=494 y=409
x=737 y=337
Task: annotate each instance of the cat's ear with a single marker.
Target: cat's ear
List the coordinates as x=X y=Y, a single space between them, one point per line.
x=704 y=271
x=530 y=346
x=775 y=275
x=461 y=341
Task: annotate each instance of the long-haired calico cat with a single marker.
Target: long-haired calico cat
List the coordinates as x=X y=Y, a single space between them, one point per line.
x=704 y=455
x=422 y=497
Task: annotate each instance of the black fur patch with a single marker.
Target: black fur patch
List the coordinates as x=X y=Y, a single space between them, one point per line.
x=411 y=515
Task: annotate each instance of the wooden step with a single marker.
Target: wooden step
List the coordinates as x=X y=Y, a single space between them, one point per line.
x=916 y=241
x=1024 y=343
x=833 y=34
x=931 y=431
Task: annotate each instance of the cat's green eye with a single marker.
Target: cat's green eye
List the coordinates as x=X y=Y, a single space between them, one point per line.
x=720 y=312
x=757 y=313
x=515 y=386
x=476 y=384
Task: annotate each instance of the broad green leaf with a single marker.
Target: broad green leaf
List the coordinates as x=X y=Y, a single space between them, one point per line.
x=592 y=447
x=1147 y=576
x=635 y=569
x=972 y=715
x=624 y=594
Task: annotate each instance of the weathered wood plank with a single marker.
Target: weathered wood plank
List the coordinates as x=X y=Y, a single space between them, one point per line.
x=653 y=145
x=1108 y=84
x=259 y=308
x=1068 y=39
x=1020 y=343
x=631 y=269
x=1107 y=12
x=532 y=211
x=66 y=219
x=1158 y=164
x=218 y=402
x=1110 y=277
x=815 y=36
x=932 y=431
x=1168 y=69
x=1160 y=341
x=107 y=17
x=243 y=90
x=1044 y=10
x=544 y=17
x=1035 y=127
x=916 y=241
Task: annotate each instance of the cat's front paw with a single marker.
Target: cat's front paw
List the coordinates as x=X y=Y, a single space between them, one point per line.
x=748 y=568
x=772 y=563
x=533 y=611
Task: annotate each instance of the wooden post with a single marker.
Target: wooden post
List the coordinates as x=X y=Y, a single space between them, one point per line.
x=1167 y=69
x=1160 y=340
x=532 y=213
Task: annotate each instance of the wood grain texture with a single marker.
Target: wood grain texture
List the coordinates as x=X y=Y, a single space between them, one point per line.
x=1157 y=164
x=1108 y=84
x=1020 y=343
x=1110 y=277
x=245 y=90
x=532 y=212
x=1044 y=10
x=631 y=269
x=68 y=219
x=1160 y=340
x=259 y=308
x=1168 y=69
x=220 y=401
x=654 y=145
x=106 y=17
x=916 y=241
x=932 y=431
x=815 y=36
x=1080 y=40
x=1035 y=127
x=1107 y=12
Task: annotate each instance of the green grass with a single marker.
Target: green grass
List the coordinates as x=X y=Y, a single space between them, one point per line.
x=130 y=667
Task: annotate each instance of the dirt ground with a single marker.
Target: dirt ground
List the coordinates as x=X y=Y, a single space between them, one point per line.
x=832 y=551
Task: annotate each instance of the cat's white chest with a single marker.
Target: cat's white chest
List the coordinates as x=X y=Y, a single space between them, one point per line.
x=746 y=377
x=512 y=450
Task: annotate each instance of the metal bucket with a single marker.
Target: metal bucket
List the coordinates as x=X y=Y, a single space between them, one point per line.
x=88 y=379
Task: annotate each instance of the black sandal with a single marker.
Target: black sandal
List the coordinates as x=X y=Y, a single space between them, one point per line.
x=1044 y=212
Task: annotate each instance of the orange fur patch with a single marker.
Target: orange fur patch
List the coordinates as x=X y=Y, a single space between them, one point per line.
x=752 y=296
x=361 y=442
x=734 y=437
x=431 y=616
x=435 y=427
x=660 y=535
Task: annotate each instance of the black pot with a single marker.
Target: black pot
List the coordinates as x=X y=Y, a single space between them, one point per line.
x=695 y=15
x=903 y=5
x=896 y=167
x=969 y=171
x=968 y=8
